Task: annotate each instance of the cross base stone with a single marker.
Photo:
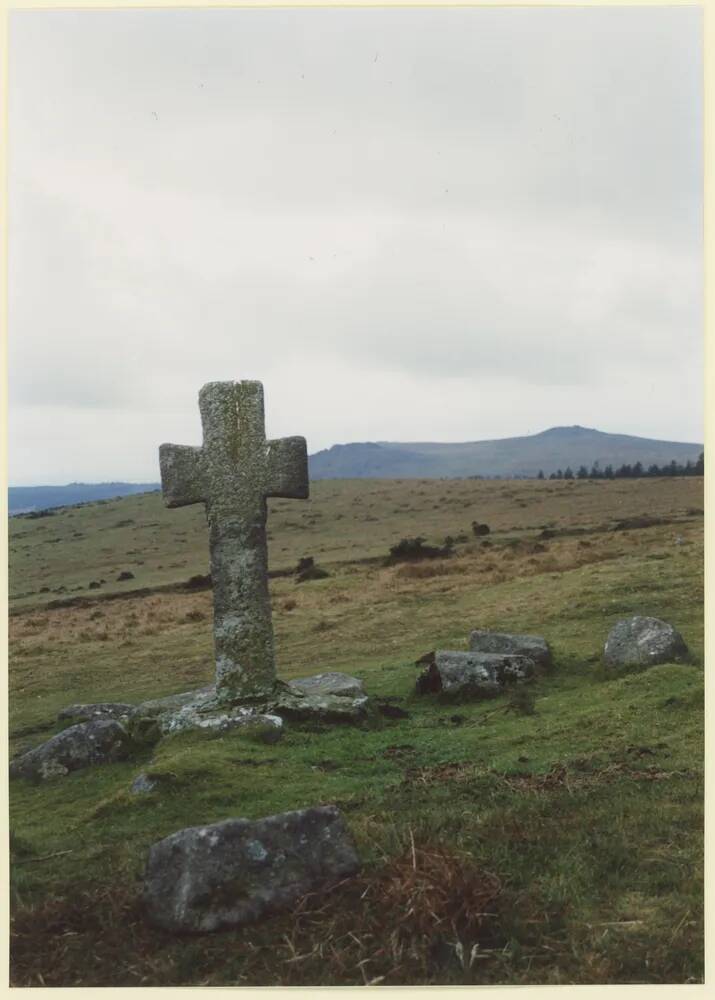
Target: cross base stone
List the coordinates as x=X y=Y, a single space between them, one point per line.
x=329 y=698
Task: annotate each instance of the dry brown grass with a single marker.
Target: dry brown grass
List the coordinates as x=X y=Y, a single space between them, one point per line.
x=427 y=910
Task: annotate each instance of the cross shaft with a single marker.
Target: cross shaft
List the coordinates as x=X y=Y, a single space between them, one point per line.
x=232 y=474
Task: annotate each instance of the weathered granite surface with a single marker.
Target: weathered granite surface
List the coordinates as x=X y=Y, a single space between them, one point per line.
x=155 y=707
x=206 y=878
x=641 y=641
x=473 y=675
x=98 y=742
x=329 y=683
x=233 y=473
x=101 y=710
x=308 y=699
x=293 y=704
x=534 y=646
x=203 y=709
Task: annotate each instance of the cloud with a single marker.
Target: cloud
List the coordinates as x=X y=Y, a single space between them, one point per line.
x=486 y=208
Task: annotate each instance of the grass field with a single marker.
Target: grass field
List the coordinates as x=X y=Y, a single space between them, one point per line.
x=563 y=846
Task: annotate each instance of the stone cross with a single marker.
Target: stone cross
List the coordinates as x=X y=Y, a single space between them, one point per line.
x=232 y=474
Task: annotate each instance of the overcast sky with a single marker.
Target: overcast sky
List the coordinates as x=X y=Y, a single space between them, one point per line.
x=441 y=225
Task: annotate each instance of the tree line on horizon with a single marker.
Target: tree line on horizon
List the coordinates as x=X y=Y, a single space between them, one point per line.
x=636 y=471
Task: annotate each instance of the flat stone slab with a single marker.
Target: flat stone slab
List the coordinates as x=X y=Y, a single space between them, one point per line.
x=101 y=710
x=202 y=709
x=262 y=727
x=534 y=646
x=263 y=718
x=159 y=706
x=101 y=741
x=294 y=704
x=207 y=878
x=642 y=641
x=473 y=675
x=330 y=683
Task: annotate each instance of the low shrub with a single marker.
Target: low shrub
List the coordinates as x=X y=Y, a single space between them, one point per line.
x=414 y=549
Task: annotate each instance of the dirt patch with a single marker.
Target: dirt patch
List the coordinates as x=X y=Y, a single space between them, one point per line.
x=439 y=773
x=562 y=776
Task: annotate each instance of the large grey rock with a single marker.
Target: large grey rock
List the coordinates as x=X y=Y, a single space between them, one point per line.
x=473 y=675
x=98 y=742
x=642 y=641
x=330 y=683
x=534 y=646
x=101 y=710
x=206 y=878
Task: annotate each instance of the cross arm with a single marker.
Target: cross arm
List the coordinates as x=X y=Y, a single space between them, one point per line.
x=287 y=468
x=182 y=479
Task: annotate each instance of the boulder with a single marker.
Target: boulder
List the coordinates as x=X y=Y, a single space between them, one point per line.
x=206 y=878
x=330 y=683
x=473 y=675
x=534 y=646
x=642 y=641
x=100 y=741
x=102 y=710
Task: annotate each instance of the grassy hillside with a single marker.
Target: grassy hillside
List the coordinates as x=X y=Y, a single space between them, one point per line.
x=550 y=450
x=575 y=831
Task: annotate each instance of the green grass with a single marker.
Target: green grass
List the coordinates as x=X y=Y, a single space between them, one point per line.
x=579 y=826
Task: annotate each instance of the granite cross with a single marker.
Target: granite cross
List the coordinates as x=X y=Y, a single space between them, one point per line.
x=232 y=474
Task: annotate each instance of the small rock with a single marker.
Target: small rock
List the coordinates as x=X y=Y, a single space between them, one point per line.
x=330 y=683
x=125 y=575
x=307 y=570
x=473 y=675
x=98 y=742
x=237 y=871
x=642 y=641
x=143 y=784
x=533 y=646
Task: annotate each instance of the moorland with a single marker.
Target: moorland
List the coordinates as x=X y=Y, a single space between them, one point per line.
x=550 y=839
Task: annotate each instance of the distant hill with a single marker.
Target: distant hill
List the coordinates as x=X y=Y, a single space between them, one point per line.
x=550 y=450
x=25 y=499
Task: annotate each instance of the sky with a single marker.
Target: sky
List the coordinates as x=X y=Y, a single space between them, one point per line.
x=410 y=225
